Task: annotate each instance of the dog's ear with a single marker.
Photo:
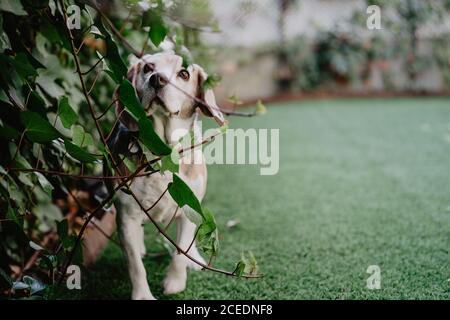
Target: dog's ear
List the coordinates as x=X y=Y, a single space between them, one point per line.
x=125 y=118
x=209 y=108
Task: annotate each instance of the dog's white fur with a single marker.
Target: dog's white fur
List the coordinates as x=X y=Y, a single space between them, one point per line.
x=174 y=113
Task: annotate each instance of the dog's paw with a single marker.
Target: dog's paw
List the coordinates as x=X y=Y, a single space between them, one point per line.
x=174 y=282
x=193 y=265
x=142 y=296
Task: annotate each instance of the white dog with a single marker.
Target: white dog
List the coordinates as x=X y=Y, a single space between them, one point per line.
x=165 y=89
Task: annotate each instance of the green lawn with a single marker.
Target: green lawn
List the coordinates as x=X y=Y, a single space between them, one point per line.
x=361 y=182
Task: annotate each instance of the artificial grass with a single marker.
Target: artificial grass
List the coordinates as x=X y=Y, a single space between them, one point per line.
x=361 y=182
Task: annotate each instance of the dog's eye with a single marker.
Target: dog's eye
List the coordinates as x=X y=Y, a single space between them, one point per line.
x=148 y=67
x=184 y=74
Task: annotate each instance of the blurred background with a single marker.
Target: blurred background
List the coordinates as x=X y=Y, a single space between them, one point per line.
x=283 y=48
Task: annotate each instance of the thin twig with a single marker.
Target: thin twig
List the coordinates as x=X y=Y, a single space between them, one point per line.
x=80 y=176
x=97 y=75
x=171 y=219
x=93 y=67
x=107 y=109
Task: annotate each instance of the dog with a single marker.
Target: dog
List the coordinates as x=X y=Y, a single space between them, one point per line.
x=166 y=91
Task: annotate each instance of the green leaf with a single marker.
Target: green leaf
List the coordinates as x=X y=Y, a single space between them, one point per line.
x=130 y=164
x=118 y=69
x=247 y=265
x=13 y=6
x=63 y=234
x=78 y=153
x=150 y=139
x=240 y=269
x=207 y=234
x=223 y=128
x=8 y=132
x=148 y=136
x=212 y=81
x=25 y=178
x=66 y=113
x=48 y=84
x=37 y=128
x=157 y=33
x=23 y=66
x=260 y=108
x=128 y=97
x=114 y=60
x=4 y=40
x=10 y=214
x=171 y=162
x=80 y=137
x=158 y=30
x=45 y=184
x=62 y=229
x=183 y=195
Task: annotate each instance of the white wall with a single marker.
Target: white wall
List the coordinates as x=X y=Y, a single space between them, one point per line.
x=253 y=24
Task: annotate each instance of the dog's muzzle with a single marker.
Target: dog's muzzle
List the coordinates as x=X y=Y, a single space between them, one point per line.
x=157 y=81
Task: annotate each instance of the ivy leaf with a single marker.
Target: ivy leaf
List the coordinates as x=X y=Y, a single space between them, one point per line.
x=22 y=65
x=62 y=228
x=4 y=40
x=240 y=269
x=127 y=95
x=130 y=164
x=13 y=6
x=8 y=132
x=183 y=195
x=10 y=214
x=212 y=81
x=247 y=265
x=223 y=129
x=150 y=139
x=38 y=129
x=45 y=184
x=80 y=137
x=78 y=153
x=260 y=108
x=158 y=30
x=148 y=136
x=207 y=234
x=66 y=113
x=118 y=69
x=114 y=60
x=170 y=162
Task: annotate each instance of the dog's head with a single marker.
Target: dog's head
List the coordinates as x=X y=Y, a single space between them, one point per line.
x=162 y=82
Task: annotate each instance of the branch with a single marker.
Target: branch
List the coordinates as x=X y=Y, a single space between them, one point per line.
x=80 y=176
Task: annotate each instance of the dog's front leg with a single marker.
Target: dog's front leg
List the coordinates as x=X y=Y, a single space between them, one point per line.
x=131 y=236
x=175 y=280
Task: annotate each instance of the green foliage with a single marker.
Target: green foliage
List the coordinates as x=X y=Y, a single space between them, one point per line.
x=183 y=195
x=38 y=129
x=66 y=113
x=158 y=29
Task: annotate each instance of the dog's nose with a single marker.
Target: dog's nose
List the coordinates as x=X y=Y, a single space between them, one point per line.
x=157 y=81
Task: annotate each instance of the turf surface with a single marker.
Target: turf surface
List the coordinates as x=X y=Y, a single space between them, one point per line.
x=361 y=182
